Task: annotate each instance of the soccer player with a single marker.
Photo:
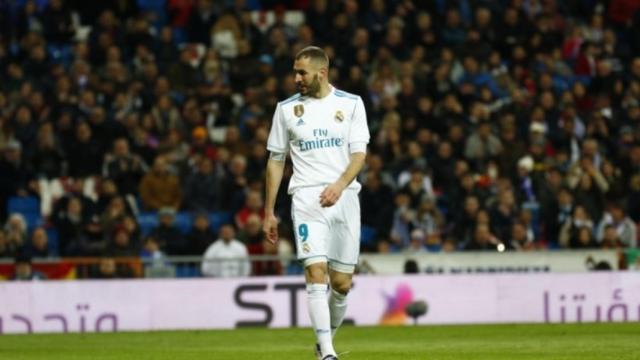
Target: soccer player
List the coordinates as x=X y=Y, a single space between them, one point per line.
x=325 y=131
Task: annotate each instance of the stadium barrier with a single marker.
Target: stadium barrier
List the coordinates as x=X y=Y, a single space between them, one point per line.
x=143 y=305
x=384 y=264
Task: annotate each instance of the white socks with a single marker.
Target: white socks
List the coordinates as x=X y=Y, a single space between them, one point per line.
x=320 y=318
x=337 y=308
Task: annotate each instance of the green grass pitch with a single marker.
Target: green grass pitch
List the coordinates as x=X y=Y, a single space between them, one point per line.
x=476 y=342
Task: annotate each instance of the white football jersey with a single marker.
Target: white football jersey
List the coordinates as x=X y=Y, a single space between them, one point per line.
x=317 y=133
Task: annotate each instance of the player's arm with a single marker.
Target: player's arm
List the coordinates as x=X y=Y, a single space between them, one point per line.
x=332 y=192
x=278 y=145
x=275 y=170
x=358 y=140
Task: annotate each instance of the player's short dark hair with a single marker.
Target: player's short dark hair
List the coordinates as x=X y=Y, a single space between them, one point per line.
x=315 y=54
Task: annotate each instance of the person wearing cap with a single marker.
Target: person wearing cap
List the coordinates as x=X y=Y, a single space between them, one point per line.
x=200 y=143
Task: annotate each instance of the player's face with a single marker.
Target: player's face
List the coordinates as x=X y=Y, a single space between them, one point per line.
x=307 y=77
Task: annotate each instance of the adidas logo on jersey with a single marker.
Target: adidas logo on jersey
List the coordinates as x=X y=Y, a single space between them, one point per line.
x=300 y=122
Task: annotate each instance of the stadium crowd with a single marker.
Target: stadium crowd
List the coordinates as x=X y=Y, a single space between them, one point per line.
x=512 y=123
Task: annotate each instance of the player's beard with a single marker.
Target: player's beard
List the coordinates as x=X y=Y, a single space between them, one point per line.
x=313 y=89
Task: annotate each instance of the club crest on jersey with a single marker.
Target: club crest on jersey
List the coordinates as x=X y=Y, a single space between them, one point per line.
x=306 y=248
x=339 y=116
x=298 y=110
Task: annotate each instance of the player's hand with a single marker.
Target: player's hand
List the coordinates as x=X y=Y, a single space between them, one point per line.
x=330 y=195
x=270 y=228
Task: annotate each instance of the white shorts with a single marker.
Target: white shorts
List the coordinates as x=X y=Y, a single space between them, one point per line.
x=327 y=234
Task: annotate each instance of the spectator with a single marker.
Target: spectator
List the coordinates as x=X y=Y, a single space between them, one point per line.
x=429 y=219
x=200 y=143
x=124 y=168
x=234 y=184
x=200 y=236
x=70 y=223
x=6 y=248
x=258 y=245
x=108 y=268
x=483 y=239
x=25 y=127
x=417 y=243
x=24 y=269
x=57 y=23
x=15 y=179
x=107 y=191
x=202 y=18
x=251 y=234
x=377 y=204
x=168 y=236
x=403 y=219
x=559 y=212
x=565 y=104
x=114 y=215
x=254 y=205
x=624 y=226
x=416 y=184
x=227 y=257
x=503 y=214
x=85 y=155
x=121 y=244
x=482 y=145
x=15 y=231
x=520 y=241
x=151 y=250
x=39 y=246
x=466 y=220
x=47 y=158
x=202 y=188
x=584 y=239
x=579 y=219
x=610 y=238
x=160 y=188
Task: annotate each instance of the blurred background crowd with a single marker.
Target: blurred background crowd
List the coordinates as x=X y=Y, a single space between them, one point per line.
x=135 y=128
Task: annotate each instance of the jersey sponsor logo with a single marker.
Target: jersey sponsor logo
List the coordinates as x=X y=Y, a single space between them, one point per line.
x=298 y=110
x=339 y=116
x=306 y=145
x=321 y=141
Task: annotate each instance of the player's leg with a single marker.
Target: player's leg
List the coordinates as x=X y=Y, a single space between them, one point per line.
x=311 y=233
x=316 y=279
x=340 y=286
x=343 y=249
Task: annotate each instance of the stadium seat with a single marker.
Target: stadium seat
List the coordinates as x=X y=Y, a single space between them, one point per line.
x=147 y=221
x=60 y=53
x=33 y=220
x=367 y=235
x=54 y=241
x=29 y=207
x=217 y=219
x=183 y=222
x=23 y=205
x=187 y=270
